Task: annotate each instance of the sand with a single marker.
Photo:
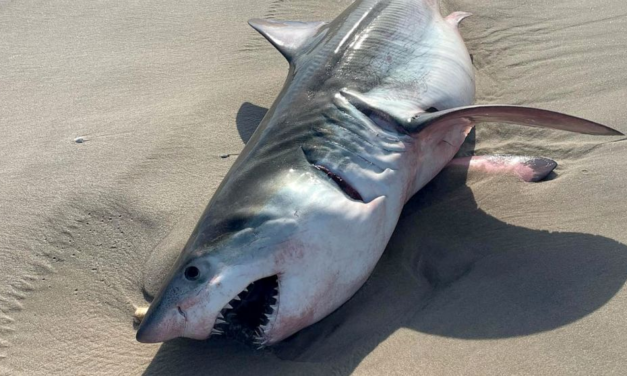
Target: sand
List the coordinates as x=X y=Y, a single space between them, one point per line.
x=484 y=275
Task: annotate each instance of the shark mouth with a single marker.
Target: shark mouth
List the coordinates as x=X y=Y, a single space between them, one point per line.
x=248 y=316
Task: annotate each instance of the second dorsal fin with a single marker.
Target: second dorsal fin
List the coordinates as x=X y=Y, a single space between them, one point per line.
x=287 y=36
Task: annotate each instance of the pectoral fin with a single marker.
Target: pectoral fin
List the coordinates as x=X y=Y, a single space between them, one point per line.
x=529 y=169
x=406 y=116
x=531 y=117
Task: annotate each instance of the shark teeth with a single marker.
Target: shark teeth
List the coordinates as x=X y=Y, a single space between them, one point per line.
x=250 y=314
x=259 y=340
x=262 y=330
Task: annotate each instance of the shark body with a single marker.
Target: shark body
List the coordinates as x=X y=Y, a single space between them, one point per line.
x=376 y=103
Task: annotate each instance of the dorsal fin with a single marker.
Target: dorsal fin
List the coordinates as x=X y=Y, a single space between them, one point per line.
x=456 y=17
x=287 y=36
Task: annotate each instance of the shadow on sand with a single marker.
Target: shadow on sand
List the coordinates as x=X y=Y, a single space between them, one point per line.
x=449 y=270
x=248 y=118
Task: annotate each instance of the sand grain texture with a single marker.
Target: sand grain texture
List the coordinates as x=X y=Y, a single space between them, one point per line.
x=484 y=276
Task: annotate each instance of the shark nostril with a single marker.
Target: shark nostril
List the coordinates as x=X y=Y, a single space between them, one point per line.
x=182 y=313
x=192 y=273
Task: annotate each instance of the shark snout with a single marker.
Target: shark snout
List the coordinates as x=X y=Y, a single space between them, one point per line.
x=162 y=326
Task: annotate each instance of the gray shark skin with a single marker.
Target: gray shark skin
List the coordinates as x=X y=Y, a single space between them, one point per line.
x=376 y=103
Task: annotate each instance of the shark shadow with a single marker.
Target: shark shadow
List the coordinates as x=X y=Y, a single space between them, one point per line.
x=450 y=270
x=248 y=118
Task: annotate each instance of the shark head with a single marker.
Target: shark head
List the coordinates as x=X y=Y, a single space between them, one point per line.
x=213 y=290
x=229 y=285
x=287 y=266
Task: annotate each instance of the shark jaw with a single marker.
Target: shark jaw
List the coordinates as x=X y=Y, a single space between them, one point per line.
x=249 y=316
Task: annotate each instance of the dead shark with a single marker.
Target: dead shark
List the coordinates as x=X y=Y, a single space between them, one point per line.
x=376 y=103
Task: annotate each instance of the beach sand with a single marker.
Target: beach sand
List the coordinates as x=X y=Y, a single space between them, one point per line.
x=483 y=276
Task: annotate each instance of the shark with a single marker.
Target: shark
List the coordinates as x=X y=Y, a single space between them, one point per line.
x=375 y=104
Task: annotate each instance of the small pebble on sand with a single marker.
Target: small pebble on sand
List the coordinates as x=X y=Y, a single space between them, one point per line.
x=140 y=313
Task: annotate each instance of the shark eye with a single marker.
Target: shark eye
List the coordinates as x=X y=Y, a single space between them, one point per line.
x=431 y=109
x=192 y=273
